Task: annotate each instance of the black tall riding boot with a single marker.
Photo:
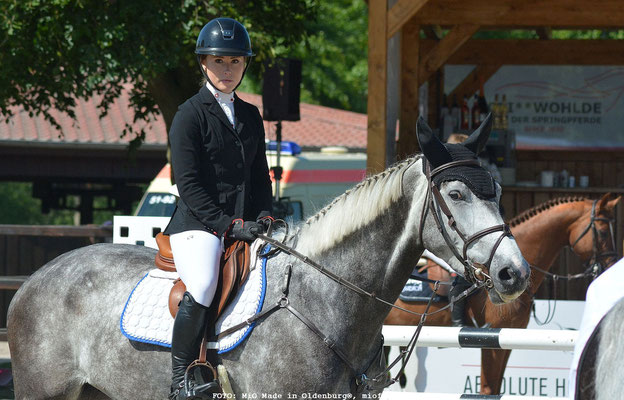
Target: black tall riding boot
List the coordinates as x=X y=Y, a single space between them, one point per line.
x=188 y=331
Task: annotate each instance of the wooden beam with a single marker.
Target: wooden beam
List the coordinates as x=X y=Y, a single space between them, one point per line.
x=408 y=114
x=471 y=83
x=511 y=13
x=433 y=32
x=377 y=84
x=438 y=55
x=400 y=13
x=544 y=32
x=536 y=52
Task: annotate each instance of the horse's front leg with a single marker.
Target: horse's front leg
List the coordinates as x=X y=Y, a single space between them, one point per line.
x=493 y=363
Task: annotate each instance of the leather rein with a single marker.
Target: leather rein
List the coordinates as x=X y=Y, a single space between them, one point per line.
x=474 y=274
x=593 y=267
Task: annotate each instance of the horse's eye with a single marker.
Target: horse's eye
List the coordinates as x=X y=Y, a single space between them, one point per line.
x=455 y=195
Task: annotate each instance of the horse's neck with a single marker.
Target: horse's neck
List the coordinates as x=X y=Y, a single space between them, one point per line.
x=377 y=256
x=543 y=236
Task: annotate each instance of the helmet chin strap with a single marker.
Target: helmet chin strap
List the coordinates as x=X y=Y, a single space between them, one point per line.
x=201 y=68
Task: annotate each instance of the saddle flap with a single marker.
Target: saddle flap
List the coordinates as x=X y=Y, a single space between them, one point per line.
x=234 y=271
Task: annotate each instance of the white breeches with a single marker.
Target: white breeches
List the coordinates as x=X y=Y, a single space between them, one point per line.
x=197 y=255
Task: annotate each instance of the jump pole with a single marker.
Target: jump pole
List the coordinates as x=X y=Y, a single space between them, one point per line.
x=483 y=338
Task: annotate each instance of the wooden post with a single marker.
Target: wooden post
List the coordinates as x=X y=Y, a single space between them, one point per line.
x=377 y=81
x=408 y=144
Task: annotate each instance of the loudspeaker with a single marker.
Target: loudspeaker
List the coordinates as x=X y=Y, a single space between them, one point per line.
x=281 y=90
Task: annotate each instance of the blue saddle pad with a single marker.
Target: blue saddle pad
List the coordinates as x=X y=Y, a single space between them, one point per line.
x=416 y=290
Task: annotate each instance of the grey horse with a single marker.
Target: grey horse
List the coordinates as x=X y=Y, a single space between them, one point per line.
x=63 y=323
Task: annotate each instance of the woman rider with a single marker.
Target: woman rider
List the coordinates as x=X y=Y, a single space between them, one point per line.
x=220 y=169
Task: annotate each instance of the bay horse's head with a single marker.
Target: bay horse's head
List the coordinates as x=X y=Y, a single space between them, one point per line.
x=462 y=223
x=592 y=238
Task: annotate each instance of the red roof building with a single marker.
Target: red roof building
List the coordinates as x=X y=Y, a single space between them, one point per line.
x=319 y=126
x=88 y=156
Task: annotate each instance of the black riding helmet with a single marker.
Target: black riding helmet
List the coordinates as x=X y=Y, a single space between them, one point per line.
x=224 y=37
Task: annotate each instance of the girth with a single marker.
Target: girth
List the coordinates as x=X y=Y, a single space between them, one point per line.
x=234 y=271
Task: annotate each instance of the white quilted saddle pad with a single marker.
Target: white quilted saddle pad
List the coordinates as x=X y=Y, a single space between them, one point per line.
x=146 y=316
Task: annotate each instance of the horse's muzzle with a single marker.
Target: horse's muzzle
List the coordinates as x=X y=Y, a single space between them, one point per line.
x=509 y=282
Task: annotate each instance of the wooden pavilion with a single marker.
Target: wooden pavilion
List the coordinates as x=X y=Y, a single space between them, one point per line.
x=415 y=27
x=410 y=41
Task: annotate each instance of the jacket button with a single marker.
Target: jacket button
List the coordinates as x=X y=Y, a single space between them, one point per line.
x=239 y=165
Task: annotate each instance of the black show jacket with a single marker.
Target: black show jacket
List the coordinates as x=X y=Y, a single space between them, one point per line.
x=221 y=172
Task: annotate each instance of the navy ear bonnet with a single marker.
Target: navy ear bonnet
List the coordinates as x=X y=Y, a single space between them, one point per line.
x=478 y=179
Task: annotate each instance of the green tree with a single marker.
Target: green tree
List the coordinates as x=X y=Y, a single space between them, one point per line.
x=19 y=207
x=335 y=56
x=54 y=51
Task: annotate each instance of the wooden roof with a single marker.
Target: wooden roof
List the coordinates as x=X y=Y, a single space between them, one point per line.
x=421 y=59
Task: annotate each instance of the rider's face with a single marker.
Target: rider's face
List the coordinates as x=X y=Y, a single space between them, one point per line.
x=225 y=72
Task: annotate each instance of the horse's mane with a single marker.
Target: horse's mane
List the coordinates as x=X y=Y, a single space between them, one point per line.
x=531 y=212
x=353 y=209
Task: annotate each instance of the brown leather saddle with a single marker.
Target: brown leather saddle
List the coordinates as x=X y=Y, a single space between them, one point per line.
x=235 y=265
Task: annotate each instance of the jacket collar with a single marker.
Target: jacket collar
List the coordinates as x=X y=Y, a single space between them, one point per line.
x=215 y=108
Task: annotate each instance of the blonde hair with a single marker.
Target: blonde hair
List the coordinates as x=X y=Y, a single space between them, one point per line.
x=457 y=138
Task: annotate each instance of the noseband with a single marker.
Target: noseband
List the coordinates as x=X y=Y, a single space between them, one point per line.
x=472 y=273
x=594 y=262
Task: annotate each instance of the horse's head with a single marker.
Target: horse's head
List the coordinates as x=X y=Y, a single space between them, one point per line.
x=463 y=224
x=591 y=237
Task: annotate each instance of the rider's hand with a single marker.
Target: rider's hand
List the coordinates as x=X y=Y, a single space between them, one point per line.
x=245 y=230
x=266 y=222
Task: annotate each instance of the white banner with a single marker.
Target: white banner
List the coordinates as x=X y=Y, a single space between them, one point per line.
x=557 y=106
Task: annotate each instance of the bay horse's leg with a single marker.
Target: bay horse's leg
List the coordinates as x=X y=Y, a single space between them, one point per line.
x=493 y=363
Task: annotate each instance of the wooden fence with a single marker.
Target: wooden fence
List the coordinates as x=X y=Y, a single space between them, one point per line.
x=25 y=248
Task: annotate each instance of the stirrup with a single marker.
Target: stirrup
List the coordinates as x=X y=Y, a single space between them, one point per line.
x=203 y=390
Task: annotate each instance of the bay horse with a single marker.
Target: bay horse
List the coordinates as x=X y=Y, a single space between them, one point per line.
x=541 y=233
x=325 y=337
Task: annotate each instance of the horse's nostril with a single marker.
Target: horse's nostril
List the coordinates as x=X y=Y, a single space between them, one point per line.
x=505 y=274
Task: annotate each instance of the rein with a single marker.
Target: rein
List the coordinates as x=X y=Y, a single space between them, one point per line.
x=474 y=274
x=594 y=266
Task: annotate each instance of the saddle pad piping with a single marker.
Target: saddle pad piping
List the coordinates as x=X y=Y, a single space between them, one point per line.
x=128 y=335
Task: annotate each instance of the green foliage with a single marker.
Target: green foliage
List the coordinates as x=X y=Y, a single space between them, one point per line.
x=19 y=207
x=56 y=50
x=335 y=56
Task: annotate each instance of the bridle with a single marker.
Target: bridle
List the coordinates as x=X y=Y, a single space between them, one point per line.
x=593 y=267
x=472 y=273
x=361 y=381
x=594 y=263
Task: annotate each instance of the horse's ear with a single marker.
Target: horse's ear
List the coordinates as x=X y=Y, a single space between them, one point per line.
x=430 y=145
x=477 y=140
x=609 y=201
